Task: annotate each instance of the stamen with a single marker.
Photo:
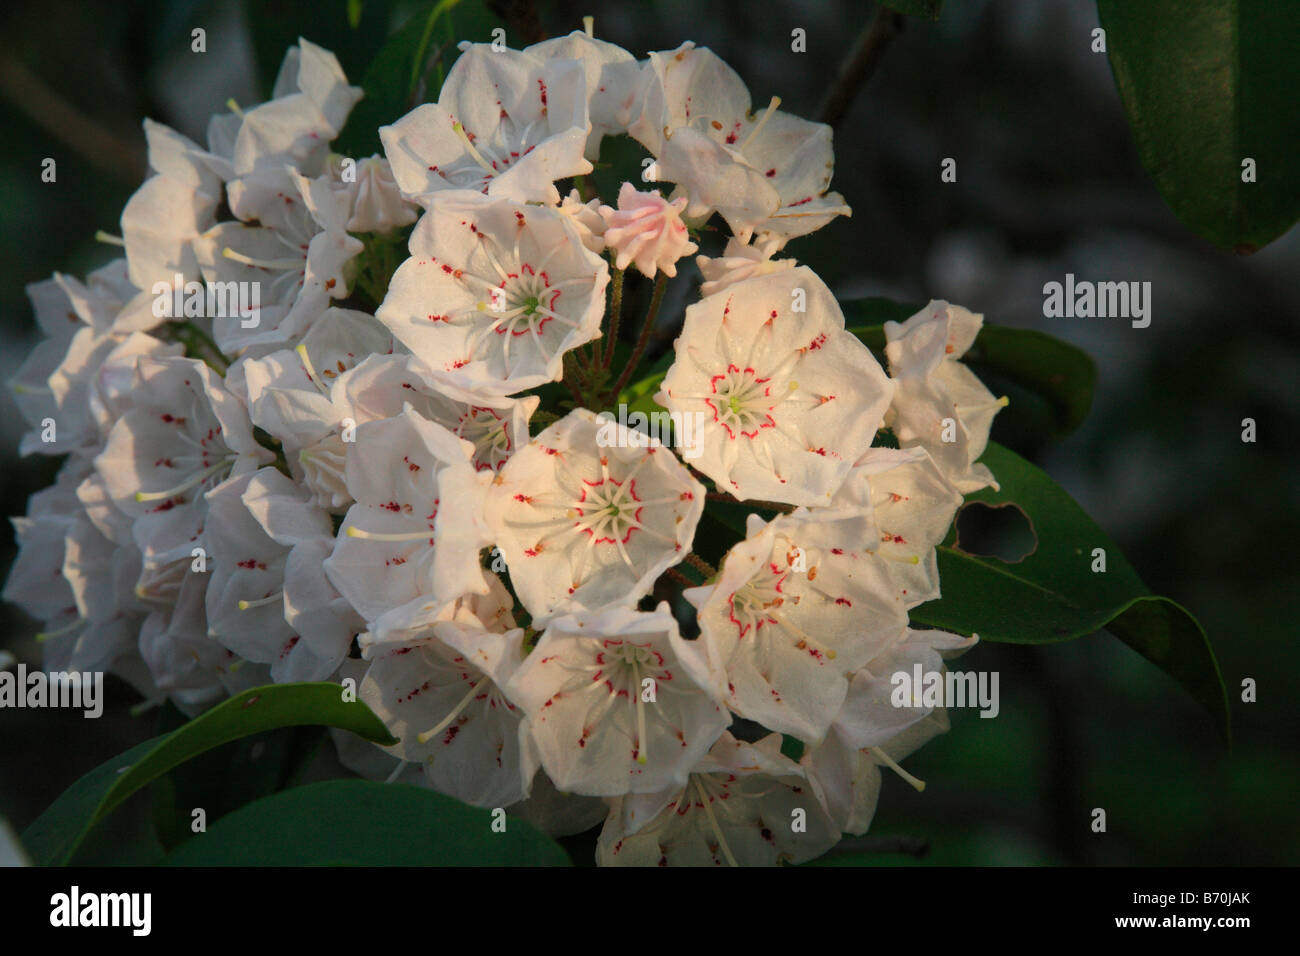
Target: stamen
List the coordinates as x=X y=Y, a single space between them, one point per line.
x=713 y=822
x=278 y=596
x=234 y=107
x=459 y=130
x=771 y=108
x=196 y=479
x=1002 y=402
x=589 y=26
x=44 y=636
x=389 y=535
x=425 y=737
x=262 y=263
x=102 y=236
x=311 y=369
x=889 y=762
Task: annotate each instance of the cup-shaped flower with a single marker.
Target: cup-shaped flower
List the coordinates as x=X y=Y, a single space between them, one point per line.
x=440 y=694
x=764 y=171
x=789 y=399
x=398 y=543
x=873 y=731
x=940 y=404
x=612 y=76
x=618 y=702
x=507 y=124
x=742 y=805
x=587 y=515
x=798 y=605
x=495 y=293
x=912 y=506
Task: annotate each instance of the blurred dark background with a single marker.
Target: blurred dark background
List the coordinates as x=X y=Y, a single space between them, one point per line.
x=1049 y=182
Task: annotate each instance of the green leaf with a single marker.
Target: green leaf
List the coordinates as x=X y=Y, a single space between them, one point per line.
x=54 y=837
x=1052 y=594
x=360 y=823
x=915 y=8
x=392 y=81
x=1208 y=84
x=1060 y=374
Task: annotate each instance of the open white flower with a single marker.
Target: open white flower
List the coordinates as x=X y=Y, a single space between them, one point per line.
x=799 y=604
x=790 y=398
x=507 y=124
x=940 y=404
x=440 y=694
x=256 y=522
x=612 y=76
x=495 y=292
x=743 y=805
x=399 y=544
x=298 y=255
x=171 y=209
x=870 y=732
x=618 y=702
x=765 y=172
x=648 y=230
x=309 y=104
x=912 y=506
x=586 y=517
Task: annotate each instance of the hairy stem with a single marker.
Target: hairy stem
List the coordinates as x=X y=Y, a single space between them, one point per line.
x=661 y=282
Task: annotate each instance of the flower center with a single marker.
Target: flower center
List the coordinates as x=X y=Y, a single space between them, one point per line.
x=608 y=510
x=743 y=401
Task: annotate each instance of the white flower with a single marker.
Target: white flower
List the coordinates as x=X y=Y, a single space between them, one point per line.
x=800 y=603
x=790 y=398
x=182 y=433
x=940 y=404
x=586 y=517
x=171 y=209
x=739 y=807
x=912 y=506
x=871 y=732
x=586 y=219
x=440 y=694
x=767 y=172
x=495 y=292
x=399 y=543
x=309 y=104
x=298 y=256
x=647 y=230
x=612 y=76
x=506 y=124
x=256 y=523
x=738 y=262
x=617 y=702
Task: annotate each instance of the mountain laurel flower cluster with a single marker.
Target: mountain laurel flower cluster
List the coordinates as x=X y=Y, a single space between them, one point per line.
x=373 y=446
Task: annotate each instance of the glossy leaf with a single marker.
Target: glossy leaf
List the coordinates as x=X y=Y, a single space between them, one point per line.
x=360 y=823
x=1209 y=84
x=1053 y=594
x=54 y=837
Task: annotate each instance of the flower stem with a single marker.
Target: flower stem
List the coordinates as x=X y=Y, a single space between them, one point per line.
x=699 y=564
x=615 y=313
x=643 y=339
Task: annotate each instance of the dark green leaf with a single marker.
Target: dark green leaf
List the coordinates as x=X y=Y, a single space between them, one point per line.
x=62 y=827
x=1208 y=84
x=359 y=823
x=1053 y=594
x=392 y=82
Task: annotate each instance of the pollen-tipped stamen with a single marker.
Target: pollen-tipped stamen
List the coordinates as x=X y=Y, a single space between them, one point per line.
x=889 y=762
